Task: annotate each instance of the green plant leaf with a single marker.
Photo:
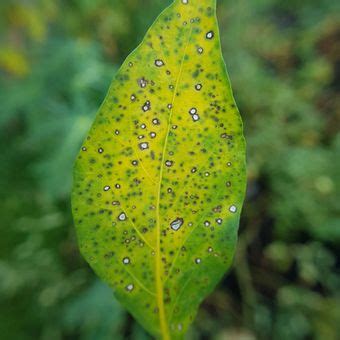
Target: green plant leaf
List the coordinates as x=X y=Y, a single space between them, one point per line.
x=160 y=180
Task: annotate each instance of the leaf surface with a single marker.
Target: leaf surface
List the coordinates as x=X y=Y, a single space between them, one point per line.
x=159 y=182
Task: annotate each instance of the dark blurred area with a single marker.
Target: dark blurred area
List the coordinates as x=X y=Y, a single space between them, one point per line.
x=57 y=59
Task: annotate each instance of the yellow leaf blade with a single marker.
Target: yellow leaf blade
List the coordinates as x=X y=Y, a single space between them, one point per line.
x=160 y=180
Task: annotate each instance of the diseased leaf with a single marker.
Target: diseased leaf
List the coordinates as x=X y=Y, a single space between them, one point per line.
x=160 y=180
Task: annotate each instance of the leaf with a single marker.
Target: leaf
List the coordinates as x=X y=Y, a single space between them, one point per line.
x=160 y=180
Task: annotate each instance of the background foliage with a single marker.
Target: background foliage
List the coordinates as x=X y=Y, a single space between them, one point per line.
x=57 y=59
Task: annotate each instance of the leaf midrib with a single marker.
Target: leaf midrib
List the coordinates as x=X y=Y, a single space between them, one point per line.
x=159 y=282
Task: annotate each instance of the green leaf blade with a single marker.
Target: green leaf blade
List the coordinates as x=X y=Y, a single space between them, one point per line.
x=160 y=180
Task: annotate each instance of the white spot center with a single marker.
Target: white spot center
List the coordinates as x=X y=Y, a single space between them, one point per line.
x=210 y=35
x=176 y=224
x=142 y=82
x=159 y=62
x=126 y=260
x=195 y=118
x=129 y=287
x=144 y=146
x=122 y=217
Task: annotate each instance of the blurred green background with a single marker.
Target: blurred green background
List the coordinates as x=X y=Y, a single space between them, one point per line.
x=57 y=59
